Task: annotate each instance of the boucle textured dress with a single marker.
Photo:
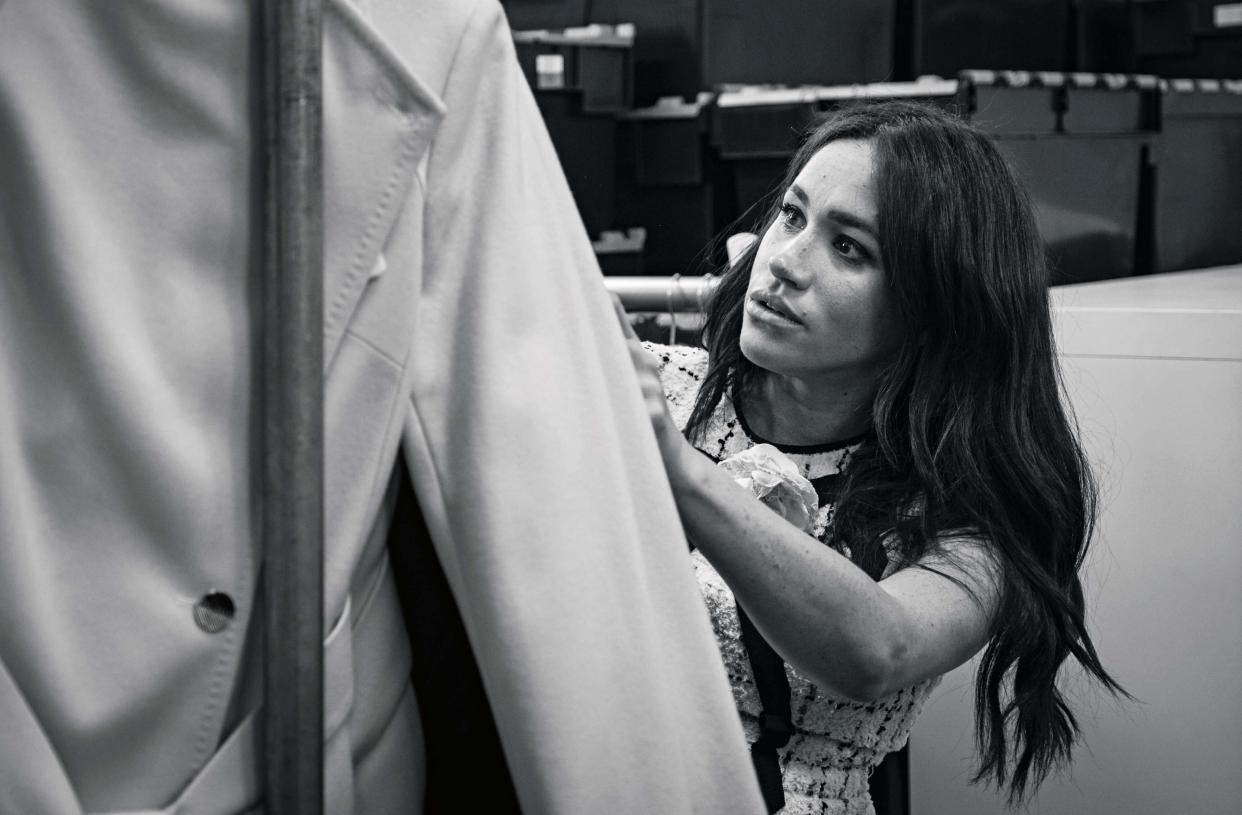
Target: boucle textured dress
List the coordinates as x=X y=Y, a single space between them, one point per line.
x=836 y=742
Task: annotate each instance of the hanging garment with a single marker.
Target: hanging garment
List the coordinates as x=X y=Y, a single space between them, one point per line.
x=462 y=303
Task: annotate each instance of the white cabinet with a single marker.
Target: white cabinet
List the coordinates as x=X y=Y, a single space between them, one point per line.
x=1153 y=367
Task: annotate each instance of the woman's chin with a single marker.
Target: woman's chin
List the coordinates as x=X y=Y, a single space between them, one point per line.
x=762 y=350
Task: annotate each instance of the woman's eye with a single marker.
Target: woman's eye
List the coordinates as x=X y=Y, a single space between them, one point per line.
x=848 y=247
x=791 y=216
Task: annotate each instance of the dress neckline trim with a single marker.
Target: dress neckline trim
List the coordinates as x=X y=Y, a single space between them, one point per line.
x=803 y=449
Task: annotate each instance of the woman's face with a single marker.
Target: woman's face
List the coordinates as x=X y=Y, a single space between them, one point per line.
x=818 y=303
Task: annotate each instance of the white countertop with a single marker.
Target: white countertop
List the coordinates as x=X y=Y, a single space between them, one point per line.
x=1195 y=314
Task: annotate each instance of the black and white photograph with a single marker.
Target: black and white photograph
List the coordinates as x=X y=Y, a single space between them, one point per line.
x=620 y=407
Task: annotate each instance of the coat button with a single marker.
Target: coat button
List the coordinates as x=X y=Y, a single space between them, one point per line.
x=214 y=612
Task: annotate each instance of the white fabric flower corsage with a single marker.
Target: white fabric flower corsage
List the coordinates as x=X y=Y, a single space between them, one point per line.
x=771 y=477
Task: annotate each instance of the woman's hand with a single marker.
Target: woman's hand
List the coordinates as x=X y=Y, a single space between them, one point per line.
x=679 y=456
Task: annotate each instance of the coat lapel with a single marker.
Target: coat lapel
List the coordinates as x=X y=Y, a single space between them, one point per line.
x=378 y=123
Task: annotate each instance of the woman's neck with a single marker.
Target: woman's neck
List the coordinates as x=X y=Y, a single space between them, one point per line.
x=789 y=410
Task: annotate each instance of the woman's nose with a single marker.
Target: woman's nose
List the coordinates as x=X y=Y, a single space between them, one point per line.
x=787 y=267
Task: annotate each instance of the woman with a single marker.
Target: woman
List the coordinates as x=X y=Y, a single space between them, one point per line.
x=890 y=334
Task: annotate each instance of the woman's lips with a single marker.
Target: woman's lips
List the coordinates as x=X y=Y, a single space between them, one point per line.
x=770 y=312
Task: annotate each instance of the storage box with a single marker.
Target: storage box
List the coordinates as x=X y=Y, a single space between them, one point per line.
x=687 y=46
x=1198 y=200
x=1087 y=182
x=580 y=78
x=596 y=60
x=1111 y=103
x=667 y=183
x=950 y=36
x=1194 y=38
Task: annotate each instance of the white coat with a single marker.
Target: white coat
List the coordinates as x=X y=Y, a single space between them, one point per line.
x=465 y=321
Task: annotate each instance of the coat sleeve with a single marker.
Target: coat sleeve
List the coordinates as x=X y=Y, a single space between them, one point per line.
x=541 y=483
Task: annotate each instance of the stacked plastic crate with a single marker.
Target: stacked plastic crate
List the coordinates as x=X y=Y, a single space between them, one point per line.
x=1198 y=165
x=582 y=78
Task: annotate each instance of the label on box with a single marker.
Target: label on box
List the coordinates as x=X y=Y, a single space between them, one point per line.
x=1227 y=15
x=549 y=71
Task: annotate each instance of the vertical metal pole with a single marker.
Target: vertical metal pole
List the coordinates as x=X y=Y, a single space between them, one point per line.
x=292 y=413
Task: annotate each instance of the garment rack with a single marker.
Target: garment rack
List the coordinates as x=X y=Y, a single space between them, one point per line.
x=290 y=438
x=675 y=295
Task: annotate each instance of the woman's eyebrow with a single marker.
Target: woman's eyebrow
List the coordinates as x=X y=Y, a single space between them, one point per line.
x=841 y=216
x=846 y=218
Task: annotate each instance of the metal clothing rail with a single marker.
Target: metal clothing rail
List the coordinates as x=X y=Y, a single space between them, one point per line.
x=291 y=430
x=674 y=294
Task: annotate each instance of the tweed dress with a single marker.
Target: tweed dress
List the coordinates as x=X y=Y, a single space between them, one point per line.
x=837 y=742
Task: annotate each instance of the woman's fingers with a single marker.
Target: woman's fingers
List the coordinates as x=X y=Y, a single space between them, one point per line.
x=645 y=363
x=647 y=367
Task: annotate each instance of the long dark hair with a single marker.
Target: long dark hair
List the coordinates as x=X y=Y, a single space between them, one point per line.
x=971 y=434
